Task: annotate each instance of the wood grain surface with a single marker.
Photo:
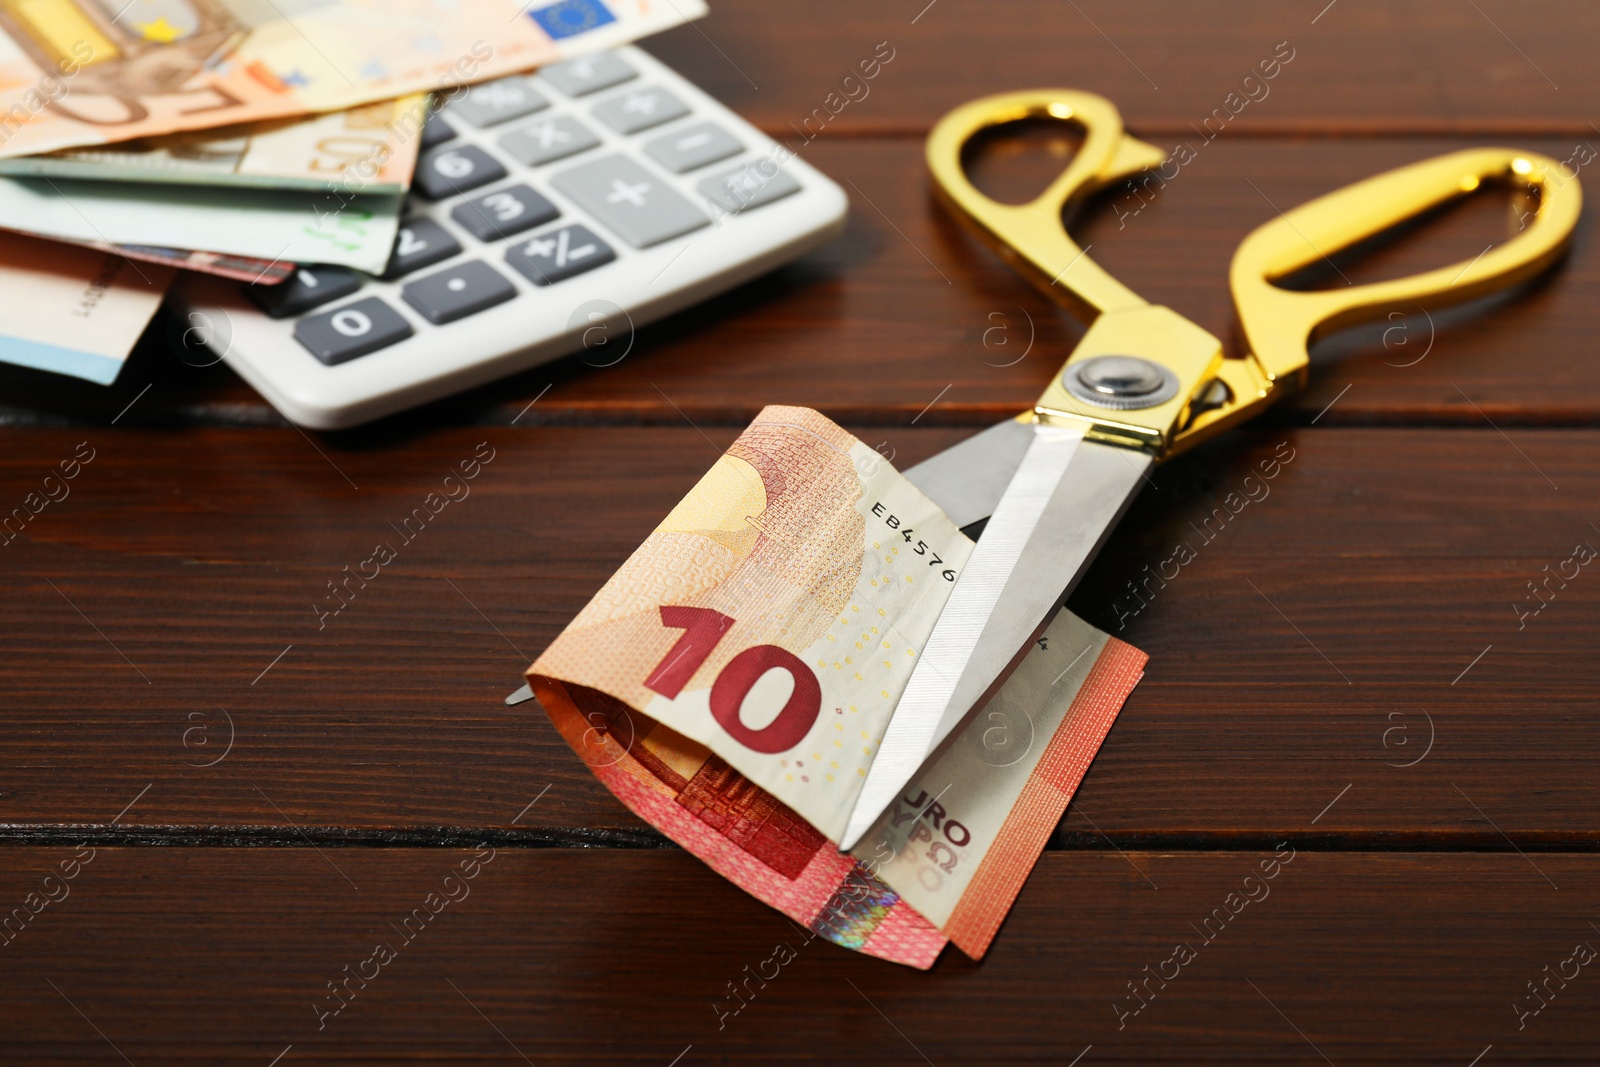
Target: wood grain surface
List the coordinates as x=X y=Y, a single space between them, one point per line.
x=1402 y=68
x=1321 y=636
x=1348 y=670
x=905 y=318
x=557 y=956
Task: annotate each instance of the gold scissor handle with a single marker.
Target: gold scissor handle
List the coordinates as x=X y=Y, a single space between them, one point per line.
x=1032 y=236
x=1279 y=324
x=1190 y=391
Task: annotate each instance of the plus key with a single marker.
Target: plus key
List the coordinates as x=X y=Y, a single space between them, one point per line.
x=630 y=201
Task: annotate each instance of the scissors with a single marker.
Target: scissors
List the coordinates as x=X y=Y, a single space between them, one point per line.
x=1144 y=384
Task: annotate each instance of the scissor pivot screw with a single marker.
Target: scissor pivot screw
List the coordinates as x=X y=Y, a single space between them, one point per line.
x=1120 y=382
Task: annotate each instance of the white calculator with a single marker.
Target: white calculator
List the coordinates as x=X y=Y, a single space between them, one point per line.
x=544 y=208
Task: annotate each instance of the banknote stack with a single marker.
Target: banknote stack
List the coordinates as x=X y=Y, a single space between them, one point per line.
x=731 y=683
x=235 y=137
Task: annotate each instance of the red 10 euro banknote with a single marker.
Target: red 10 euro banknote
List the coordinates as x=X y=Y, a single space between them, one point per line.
x=732 y=681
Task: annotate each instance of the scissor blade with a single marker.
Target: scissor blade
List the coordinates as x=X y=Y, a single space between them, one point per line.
x=1066 y=497
x=968 y=479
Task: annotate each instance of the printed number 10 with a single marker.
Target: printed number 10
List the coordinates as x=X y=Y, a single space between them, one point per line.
x=702 y=631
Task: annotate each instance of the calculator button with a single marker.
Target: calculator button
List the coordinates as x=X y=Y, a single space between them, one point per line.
x=420 y=243
x=590 y=74
x=558 y=255
x=351 y=331
x=693 y=146
x=454 y=294
x=548 y=140
x=751 y=185
x=450 y=170
x=504 y=212
x=495 y=102
x=640 y=110
x=436 y=131
x=634 y=203
x=306 y=288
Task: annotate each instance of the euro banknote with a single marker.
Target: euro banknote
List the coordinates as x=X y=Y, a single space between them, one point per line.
x=73 y=310
x=250 y=269
x=803 y=555
x=732 y=681
x=960 y=840
x=85 y=72
x=271 y=224
x=363 y=149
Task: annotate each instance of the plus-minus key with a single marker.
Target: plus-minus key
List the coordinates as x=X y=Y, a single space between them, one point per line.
x=560 y=254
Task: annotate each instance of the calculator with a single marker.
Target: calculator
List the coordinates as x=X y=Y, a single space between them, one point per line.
x=547 y=213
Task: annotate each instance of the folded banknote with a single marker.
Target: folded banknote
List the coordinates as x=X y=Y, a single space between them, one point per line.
x=295 y=226
x=241 y=268
x=87 y=72
x=732 y=681
x=366 y=149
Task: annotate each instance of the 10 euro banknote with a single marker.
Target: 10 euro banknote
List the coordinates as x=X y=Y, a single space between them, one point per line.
x=732 y=681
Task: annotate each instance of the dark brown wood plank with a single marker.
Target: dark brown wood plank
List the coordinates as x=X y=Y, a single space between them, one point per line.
x=904 y=319
x=1411 y=66
x=222 y=957
x=1348 y=601
x=907 y=319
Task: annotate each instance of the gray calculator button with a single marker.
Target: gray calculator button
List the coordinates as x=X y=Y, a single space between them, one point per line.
x=495 y=102
x=635 y=204
x=640 y=109
x=559 y=254
x=548 y=140
x=454 y=169
x=436 y=131
x=309 y=286
x=351 y=331
x=748 y=186
x=693 y=146
x=462 y=290
x=420 y=243
x=578 y=77
x=504 y=212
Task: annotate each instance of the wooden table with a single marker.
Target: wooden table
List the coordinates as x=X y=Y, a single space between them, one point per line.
x=247 y=802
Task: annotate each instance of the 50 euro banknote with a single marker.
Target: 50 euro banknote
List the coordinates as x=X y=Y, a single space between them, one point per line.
x=86 y=72
x=732 y=681
x=367 y=149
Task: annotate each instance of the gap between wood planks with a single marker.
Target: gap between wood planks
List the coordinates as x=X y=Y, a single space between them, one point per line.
x=1063 y=840
x=1258 y=129
x=231 y=416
